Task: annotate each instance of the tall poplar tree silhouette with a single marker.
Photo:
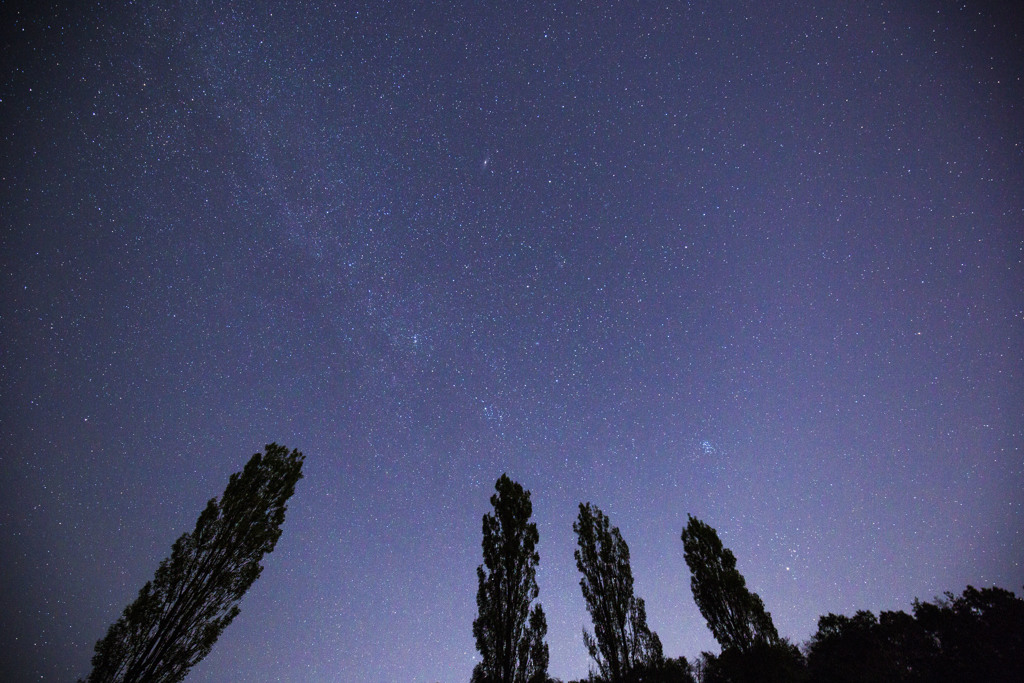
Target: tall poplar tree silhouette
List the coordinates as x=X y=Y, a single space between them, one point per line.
x=736 y=616
x=622 y=642
x=179 y=615
x=509 y=636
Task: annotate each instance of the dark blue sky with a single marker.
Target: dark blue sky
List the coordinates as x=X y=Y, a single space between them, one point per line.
x=758 y=262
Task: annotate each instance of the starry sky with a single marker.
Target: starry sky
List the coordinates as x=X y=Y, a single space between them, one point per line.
x=758 y=262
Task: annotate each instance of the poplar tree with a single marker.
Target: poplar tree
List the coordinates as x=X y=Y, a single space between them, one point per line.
x=622 y=642
x=736 y=616
x=509 y=636
x=178 y=616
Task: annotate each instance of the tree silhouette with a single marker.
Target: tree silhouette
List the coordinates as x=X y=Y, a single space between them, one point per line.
x=736 y=616
x=976 y=636
x=849 y=650
x=979 y=634
x=537 y=667
x=509 y=637
x=622 y=642
x=762 y=662
x=178 y=616
x=676 y=670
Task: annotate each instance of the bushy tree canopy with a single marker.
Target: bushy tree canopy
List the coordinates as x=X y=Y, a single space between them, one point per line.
x=978 y=635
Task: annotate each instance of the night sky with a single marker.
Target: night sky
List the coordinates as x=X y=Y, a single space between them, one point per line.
x=758 y=262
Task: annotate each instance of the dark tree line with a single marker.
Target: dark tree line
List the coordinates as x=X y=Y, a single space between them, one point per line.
x=978 y=636
x=194 y=595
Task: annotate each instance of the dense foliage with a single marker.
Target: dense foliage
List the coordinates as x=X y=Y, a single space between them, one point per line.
x=736 y=616
x=508 y=635
x=978 y=635
x=179 y=615
x=622 y=642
